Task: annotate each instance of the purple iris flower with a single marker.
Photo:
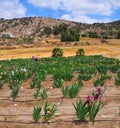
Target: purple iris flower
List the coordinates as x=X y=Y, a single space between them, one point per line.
x=88 y=100
x=89 y=97
x=96 y=97
x=99 y=90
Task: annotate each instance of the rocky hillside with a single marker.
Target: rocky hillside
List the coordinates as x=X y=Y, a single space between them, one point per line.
x=39 y=26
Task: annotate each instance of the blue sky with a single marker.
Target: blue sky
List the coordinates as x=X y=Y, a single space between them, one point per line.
x=86 y=11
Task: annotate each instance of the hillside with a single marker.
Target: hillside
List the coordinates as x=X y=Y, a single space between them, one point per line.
x=37 y=26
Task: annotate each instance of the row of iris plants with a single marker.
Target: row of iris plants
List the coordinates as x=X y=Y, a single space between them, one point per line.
x=15 y=72
x=84 y=109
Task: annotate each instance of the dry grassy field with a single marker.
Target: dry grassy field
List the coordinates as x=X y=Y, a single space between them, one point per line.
x=111 y=49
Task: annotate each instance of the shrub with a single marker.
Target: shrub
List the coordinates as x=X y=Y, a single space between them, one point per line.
x=70 y=35
x=57 y=52
x=80 y=52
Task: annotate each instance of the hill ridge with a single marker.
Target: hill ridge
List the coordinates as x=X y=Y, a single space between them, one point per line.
x=36 y=25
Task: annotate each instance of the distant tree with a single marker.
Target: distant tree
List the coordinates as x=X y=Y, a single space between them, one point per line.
x=93 y=35
x=59 y=29
x=84 y=35
x=67 y=34
x=25 y=39
x=70 y=35
x=47 y=31
x=56 y=31
x=104 y=35
x=118 y=34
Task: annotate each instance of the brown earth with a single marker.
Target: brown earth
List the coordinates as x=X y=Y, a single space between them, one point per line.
x=18 y=113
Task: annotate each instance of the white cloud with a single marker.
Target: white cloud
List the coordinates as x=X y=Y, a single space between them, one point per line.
x=78 y=10
x=11 y=9
x=115 y=3
x=102 y=7
x=83 y=19
x=88 y=7
x=75 y=10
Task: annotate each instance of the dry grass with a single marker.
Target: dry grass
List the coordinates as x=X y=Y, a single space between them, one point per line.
x=112 y=49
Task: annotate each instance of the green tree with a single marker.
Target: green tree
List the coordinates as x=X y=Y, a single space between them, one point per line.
x=70 y=35
x=118 y=34
x=47 y=31
x=93 y=35
x=67 y=33
x=59 y=29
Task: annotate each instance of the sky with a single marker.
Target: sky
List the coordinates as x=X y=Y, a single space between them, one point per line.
x=85 y=11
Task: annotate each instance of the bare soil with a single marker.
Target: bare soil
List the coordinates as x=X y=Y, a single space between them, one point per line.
x=18 y=113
